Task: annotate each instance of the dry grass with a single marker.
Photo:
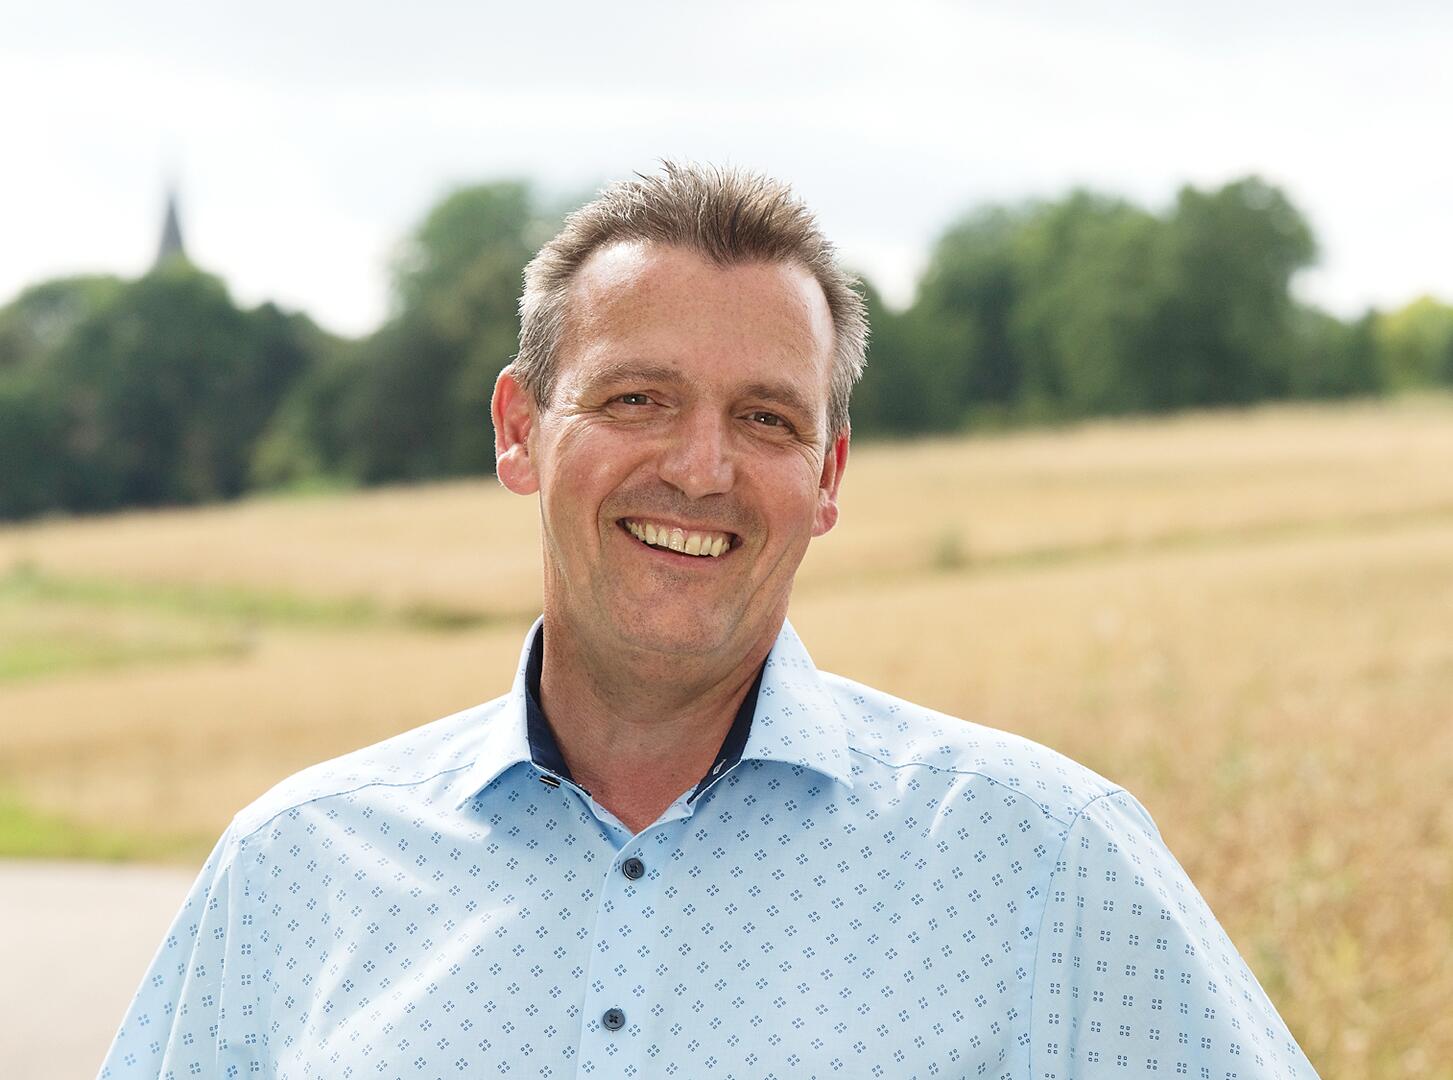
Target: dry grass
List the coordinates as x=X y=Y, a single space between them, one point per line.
x=1243 y=619
x=464 y=546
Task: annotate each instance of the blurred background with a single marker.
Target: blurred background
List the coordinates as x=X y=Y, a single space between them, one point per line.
x=1153 y=459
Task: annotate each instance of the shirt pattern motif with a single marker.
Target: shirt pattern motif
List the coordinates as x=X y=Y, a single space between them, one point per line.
x=873 y=890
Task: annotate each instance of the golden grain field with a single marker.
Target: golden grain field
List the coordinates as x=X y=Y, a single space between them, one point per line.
x=1246 y=619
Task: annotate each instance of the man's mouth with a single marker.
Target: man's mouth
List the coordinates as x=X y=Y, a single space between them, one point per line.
x=701 y=543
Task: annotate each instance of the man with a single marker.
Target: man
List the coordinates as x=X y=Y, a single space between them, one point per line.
x=675 y=848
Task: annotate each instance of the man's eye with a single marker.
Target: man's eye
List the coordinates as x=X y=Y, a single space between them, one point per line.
x=767 y=419
x=634 y=399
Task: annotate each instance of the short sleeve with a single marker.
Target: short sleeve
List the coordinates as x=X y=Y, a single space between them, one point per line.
x=1134 y=976
x=195 y=1014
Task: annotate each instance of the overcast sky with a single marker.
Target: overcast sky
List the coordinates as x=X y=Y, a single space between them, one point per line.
x=309 y=135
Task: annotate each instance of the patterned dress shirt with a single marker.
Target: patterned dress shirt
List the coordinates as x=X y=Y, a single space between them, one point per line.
x=864 y=889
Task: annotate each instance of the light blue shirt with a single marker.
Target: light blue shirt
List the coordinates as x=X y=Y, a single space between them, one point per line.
x=873 y=890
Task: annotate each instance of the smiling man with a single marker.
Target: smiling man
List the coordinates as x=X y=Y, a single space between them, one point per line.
x=683 y=453
x=676 y=848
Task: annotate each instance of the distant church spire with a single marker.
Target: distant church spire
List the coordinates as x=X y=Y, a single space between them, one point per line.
x=171 y=233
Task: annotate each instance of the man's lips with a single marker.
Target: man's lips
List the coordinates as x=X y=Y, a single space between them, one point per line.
x=698 y=542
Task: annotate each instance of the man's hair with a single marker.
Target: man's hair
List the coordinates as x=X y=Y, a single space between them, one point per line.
x=727 y=216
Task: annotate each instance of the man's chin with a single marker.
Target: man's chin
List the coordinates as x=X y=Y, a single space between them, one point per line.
x=684 y=639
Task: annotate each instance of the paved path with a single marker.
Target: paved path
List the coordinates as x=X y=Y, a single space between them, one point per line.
x=75 y=939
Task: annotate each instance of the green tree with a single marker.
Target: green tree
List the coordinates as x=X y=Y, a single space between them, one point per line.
x=31 y=430
x=1415 y=344
x=1088 y=305
x=960 y=323
x=889 y=398
x=1224 y=328
x=1330 y=358
x=35 y=323
x=154 y=397
x=412 y=402
x=1087 y=293
x=307 y=440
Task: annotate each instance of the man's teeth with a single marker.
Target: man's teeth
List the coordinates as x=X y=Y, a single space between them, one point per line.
x=689 y=543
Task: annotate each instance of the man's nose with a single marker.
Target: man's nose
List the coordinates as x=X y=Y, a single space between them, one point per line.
x=697 y=458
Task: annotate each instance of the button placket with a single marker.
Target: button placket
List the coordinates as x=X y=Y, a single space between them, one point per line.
x=615 y=975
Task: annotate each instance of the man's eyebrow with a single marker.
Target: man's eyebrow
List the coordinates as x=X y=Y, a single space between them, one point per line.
x=629 y=371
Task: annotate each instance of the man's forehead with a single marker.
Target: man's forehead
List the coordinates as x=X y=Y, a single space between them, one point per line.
x=639 y=287
x=632 y=273
x=621 y=265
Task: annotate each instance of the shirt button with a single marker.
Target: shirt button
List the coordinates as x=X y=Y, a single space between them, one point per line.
x=633 y=868
x=614 y=1019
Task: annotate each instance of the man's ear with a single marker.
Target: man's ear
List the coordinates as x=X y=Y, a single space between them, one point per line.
x=833 y=464
x=515 y=412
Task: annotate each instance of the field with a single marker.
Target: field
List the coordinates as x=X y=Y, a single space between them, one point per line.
x=1246 y=619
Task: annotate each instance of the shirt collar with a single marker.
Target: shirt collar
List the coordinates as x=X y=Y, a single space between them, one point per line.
x=797 y=720
x=504 y=739
x=545 y=750
x=788 y=716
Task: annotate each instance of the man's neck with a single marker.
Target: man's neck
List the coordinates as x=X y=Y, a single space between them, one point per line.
x=638 y=729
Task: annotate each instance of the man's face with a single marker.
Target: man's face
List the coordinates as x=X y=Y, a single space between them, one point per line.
x=689 y=412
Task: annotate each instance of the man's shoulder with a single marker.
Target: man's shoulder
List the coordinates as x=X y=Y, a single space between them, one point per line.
x=899 y=734
x=411 y=758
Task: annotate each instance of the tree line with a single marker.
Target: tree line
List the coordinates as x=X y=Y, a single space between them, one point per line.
x=161 y=390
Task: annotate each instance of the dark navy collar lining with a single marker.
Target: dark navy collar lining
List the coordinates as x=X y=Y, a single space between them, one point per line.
x=545 y=751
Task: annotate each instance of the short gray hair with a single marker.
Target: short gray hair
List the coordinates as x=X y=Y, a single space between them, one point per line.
x=727 y=216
